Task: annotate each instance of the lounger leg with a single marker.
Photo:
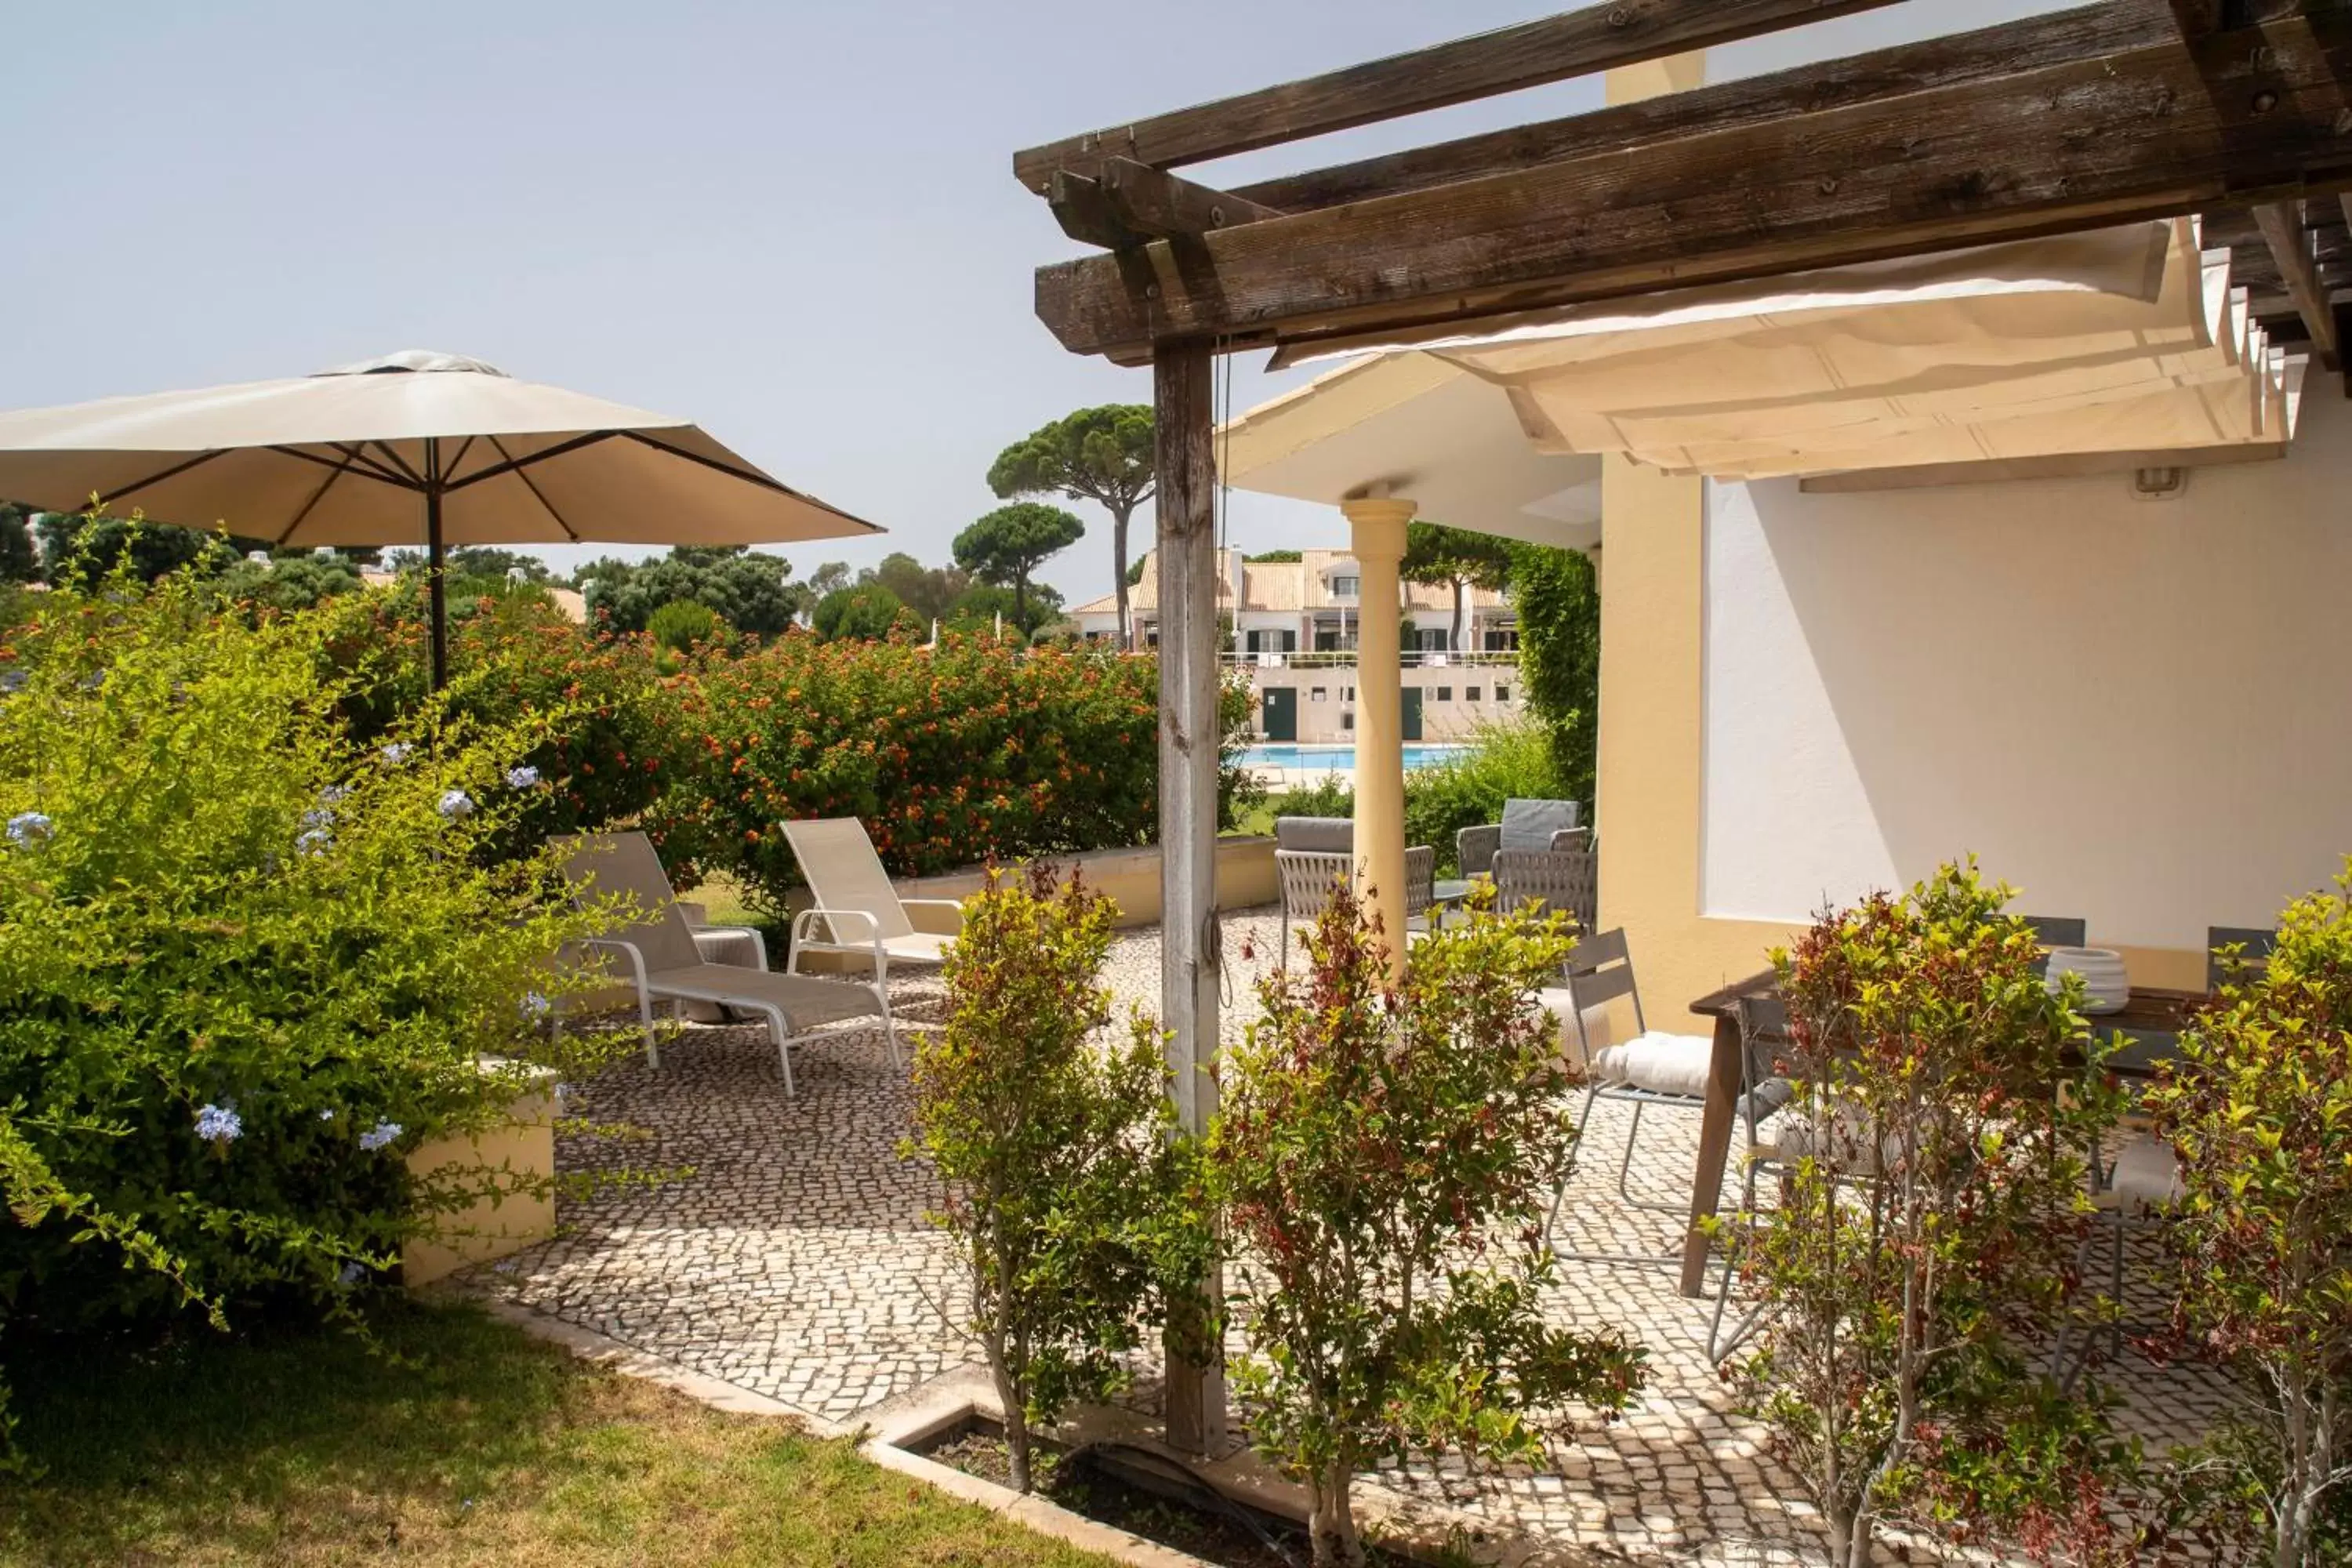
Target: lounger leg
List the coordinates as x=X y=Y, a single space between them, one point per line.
x=779 y=1031
x=645 y=1017
x=889 y=1026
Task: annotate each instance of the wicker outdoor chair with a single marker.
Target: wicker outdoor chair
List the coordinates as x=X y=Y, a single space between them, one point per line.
x=1526 y=825
x=1564 y=879
x=1308 y=877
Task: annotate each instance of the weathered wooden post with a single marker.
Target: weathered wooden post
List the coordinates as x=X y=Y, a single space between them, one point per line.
x=1189 y=734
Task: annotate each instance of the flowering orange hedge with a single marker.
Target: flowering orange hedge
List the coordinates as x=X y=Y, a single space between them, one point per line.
x=948 y=755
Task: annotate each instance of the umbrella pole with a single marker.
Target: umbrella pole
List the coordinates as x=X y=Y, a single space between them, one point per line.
x=434 y=588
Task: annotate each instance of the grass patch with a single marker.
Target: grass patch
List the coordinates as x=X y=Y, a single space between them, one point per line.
x=456 y=1439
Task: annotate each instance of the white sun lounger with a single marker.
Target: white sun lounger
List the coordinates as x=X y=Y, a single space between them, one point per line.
x=664 y=965
x=859 y=913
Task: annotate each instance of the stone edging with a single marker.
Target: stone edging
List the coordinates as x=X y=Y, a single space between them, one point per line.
x=945 y=1403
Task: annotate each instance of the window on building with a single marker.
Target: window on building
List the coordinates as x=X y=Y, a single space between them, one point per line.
x=1470 y=694
x=1314 y=694
x=1346 y=587
x=1502 y=694
x=1348 y=719
x=1445 y=694
x=1347 y=694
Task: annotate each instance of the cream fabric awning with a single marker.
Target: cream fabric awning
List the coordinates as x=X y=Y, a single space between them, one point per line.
x=2130 y=339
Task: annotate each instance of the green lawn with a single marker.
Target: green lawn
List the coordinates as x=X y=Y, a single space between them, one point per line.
x=454 y=1439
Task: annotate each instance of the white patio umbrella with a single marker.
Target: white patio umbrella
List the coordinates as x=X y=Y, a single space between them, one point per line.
x=413 y=449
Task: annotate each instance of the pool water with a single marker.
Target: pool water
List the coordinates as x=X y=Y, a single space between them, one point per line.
x=1338 y=759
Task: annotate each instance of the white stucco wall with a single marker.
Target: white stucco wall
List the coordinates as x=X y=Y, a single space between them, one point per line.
x=2138 y=712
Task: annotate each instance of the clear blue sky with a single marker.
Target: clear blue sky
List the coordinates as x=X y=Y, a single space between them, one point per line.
x=793 y=223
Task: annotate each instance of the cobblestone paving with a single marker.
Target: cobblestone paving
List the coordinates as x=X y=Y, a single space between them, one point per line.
x=795 y=1262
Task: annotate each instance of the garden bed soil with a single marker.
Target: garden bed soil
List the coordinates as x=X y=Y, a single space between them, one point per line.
x=1230 y=1534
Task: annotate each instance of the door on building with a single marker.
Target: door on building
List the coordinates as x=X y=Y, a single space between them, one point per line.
x=1280 y=715
x=1412 y=713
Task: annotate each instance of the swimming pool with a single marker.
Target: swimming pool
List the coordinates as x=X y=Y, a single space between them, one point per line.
x=1337 y=759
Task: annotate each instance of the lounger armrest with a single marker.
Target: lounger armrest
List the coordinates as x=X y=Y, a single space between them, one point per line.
x=636 y=958
x=803 y=942
x=758 y=940
x=955 y=910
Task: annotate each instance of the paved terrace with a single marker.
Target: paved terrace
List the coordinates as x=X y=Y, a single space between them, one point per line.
x=796 y=1263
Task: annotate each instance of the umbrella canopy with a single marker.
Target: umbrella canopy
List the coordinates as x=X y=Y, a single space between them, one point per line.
x=413 y=449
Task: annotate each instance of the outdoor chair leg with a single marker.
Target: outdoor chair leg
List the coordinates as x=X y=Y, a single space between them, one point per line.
x=646 y=1020
x=1718 y=1344
x=1625 y=1170
x=1592 y=1096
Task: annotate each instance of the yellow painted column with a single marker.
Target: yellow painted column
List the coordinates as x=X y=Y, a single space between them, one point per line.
x=1376 y=527
x=1653 y=704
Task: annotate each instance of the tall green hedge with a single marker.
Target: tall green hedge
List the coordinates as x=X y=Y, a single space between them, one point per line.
x=1557 y=597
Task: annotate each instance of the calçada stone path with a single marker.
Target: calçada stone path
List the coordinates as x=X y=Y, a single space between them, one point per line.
x=796 y=1263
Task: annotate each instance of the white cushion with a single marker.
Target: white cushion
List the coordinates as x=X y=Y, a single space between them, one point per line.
x=1660 y=1063
x=2147 y=1172
x=1840 y=1134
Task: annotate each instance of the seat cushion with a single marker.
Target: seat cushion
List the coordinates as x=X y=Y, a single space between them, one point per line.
x=2146 y=1173
x=1660 y=1063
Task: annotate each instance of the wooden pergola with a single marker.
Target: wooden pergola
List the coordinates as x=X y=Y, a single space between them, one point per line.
x=2130 y=109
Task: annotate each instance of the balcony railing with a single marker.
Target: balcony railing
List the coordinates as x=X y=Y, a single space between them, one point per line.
x=1334 y=659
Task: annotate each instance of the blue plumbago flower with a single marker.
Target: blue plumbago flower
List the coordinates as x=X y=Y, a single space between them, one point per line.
x=457 y=804
x=379 y=1136
x=219 y=1124
x=352 y=1275
x=522 y=777
x=534 y=1006
x=93 y=682
x=334 y=794
x=319 y=816
x=13 y=680
x=396 y=754
x=31 y=828
x=317 y=841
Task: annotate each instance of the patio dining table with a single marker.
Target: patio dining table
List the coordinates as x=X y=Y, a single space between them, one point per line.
x=2152 y=1012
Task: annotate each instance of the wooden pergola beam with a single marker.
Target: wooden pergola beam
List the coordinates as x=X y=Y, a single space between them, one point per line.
x=1576 y=43
x=2150 y=132
x=2283 y=229
x=1954 y=60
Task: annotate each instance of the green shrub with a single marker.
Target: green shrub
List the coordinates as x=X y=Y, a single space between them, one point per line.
x=867 y=612
x=1909 y=1263
x=605 y=721
x=2259 y=1106
x=1468 y=789
x=246 y=965
x=1063 y=1191
x=1333 y=796
x=681 y=624
x=1382 y=1160
x=1557 y=595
